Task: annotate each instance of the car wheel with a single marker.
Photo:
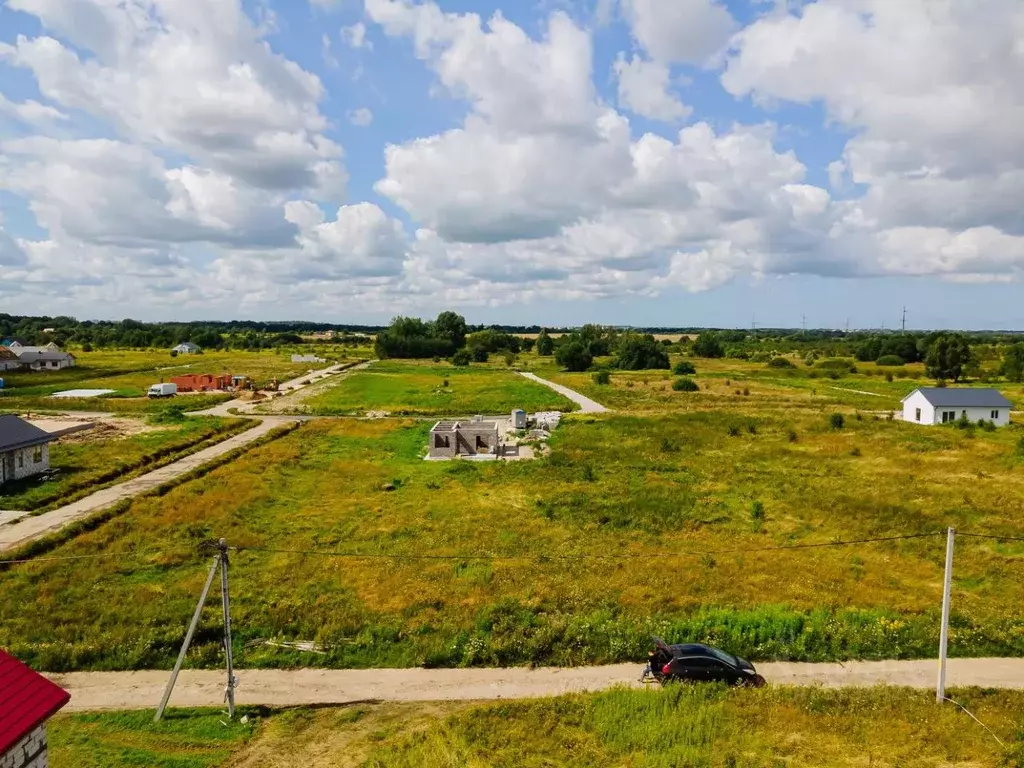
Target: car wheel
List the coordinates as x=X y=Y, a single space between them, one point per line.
x=758 y=681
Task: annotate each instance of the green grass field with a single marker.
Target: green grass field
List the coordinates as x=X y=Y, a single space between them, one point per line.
x=90 y=463
x=640 y=494
x=409 y=387
x=693 y=726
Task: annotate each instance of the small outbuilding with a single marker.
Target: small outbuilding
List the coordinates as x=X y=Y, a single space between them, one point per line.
x=24 y=449
x=518 y=419
x=27 y=701
x=187 y=348
x=941 y=405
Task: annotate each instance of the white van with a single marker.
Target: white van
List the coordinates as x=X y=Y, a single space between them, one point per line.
x=163 y=390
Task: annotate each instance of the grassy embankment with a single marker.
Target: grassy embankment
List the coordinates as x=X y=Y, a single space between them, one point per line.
x=87 y=465
x=409 y=387
x=130 y=373
x=645 y=492
x=694 y=726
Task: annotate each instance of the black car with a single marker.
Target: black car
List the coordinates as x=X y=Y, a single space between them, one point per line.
x=700 y=664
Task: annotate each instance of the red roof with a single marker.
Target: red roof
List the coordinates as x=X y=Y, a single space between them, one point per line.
x=26 y=700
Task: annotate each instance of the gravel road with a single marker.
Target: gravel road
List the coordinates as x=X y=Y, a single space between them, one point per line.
x=29 y=528
x=585 y=403
x=142 y=690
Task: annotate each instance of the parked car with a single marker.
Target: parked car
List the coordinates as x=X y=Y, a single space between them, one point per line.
x=163 y=390
x=699 y=664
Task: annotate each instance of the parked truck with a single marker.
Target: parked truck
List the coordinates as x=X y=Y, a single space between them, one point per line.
x=163 y=390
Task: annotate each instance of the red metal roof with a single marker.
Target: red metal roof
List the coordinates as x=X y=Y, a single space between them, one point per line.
x=26 y=700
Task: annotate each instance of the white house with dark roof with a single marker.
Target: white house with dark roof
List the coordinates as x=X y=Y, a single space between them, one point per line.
x=941 y=405
x=187 y=348
x=24 y=449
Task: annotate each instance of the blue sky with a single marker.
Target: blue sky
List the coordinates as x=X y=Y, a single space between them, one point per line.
x=644 y=162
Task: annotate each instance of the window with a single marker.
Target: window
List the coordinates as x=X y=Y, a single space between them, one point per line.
x=480 y=442
x=917 y=414
x=37 y=454
x=21 y=460
x=441 y=441
x=948 y=416
x=995 y=415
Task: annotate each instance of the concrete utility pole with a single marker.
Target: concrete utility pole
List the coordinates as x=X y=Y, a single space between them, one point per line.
x=229 y=692
x=188 y=640
x=940 y=690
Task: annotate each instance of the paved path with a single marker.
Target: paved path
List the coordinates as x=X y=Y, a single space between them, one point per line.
x=30 y=528
x=271 y=687
x=585 y=403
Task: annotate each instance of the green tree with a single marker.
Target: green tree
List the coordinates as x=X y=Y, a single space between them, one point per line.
x=1013 y=363
x=947 y=357
x=637 y=353
x=708 y=345
x=545 y=344
x=461 y=358
x=450 y=326
x=574 y=355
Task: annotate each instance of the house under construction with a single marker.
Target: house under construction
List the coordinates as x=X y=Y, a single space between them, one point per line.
x=449 y=439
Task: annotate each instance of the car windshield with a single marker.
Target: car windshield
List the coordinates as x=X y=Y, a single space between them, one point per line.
x=729 y=659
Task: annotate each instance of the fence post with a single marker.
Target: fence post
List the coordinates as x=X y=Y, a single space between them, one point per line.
x=940 y=690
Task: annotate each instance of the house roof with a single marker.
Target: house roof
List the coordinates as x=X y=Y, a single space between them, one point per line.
x=27 y=699
x=17 y=433
x=7 y=354
x=35 y=354
x=964 y=397
x=187 y=345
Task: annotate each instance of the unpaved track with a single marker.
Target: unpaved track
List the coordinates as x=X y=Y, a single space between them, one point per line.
x=30 y=528
x=281 y=688
x=585 y=403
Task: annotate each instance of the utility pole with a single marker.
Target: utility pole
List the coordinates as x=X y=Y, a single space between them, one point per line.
x=229 y=692
x=904 y=319
x=220 y=561
x=940 y=690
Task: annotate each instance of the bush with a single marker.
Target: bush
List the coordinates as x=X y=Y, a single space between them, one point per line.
x=510 y=359
x=890 y=360
x=963 y=422
x=462 y=358
x=480 y=354
x=685 y=385
x=734 y=430
x=1020 y=447
x=888 y=377
x=708 y=345
x=746 y=391
x=838 y=365
x=444 y=383
x=668 y=445
x=87 y=347
x=855 y=451
x=602 y=377
x=780 y=362
x=757 y=511
x=752 y=428
x=684 y=368
x=837 y=421
x=574 y=356
x=987 y=426
x=638 y=353
x=791 y=436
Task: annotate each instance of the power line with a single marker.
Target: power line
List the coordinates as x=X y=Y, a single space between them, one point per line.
x=990 y=536
x=64 y=557
x=583 y=556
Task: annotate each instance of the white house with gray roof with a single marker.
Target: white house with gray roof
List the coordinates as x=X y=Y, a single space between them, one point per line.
x=941 y=405
x=24 y=449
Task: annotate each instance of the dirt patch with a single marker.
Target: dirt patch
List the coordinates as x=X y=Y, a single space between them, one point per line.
x=111 y=429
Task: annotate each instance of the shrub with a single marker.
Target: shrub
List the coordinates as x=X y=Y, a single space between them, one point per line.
x=855 y=451
x=746 y=391
x=780 y=362
x=963 y=422
x=444 y=383
x=668 y=445
x=436 y=359
x=752 y=428
x=888 y=376
x=989 y=426
x=510 y=359
x=87 y=347
x=462 y=358
x=685 y=385
x=791 y=436
x=637 y=353
x=629 y=383
x=1020 y=447
x=890 y=360
x=734 y=430
x=684 y=368
x=602 y=377
x=858 y=416
x=837 y=421
x=838 y=364
x=480 y=354
x=757 y=511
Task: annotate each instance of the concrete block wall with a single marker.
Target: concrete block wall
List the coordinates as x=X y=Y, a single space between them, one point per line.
x=30 y=752
x=25 y=464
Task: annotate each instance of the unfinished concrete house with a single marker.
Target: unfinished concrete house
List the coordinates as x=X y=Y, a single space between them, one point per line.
x=449 y=439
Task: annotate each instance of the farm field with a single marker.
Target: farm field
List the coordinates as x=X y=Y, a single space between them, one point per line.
x=632 y=526
x=677 y=726
x=90 y=459
x=130 y=373
x=409 y=387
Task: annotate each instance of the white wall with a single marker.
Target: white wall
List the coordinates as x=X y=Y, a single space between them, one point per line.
x=24 y=463
x=933 y=415
x=30 y=752
x=910 y=406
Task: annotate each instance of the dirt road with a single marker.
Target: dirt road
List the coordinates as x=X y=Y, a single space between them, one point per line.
x=29 y=528
x=288 y=387
x=142 y=690
x=585 y=403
